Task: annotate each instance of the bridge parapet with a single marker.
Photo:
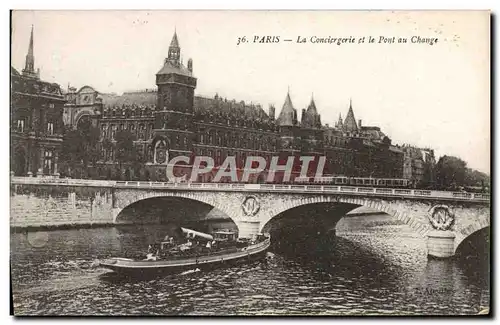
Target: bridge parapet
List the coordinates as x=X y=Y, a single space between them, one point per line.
x=296 y=188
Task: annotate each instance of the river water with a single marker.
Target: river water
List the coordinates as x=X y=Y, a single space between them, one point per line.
x=373 y=267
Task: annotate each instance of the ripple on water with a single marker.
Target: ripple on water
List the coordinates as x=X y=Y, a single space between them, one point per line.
x=376 y=270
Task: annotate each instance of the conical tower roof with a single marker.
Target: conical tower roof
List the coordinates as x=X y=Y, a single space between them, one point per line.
x=350 y=122
x=312 y=107
x=175 y=41
x=287 y=112
x=310 y=119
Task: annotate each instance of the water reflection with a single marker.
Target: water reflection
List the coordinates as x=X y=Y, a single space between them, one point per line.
x=374 y=268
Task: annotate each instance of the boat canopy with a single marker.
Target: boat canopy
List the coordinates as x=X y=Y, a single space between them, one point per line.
x=193 y=234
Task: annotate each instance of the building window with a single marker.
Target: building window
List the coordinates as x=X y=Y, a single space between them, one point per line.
x=217 y=157
x=47 y=162
x=51 y=105
x=50 y=128
x=113 y=131
x=150 y=129
x=142 y=130
x=20 y=125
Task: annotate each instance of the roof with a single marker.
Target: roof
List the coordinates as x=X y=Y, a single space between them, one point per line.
x=287 y=112
x=14 y=72
x=131 y=98
x=175 y=41
x=204 y=104
x=201 y=104
x=310 y=119
x=312 y=107
x=225 y=231
x=175 y=67
x=350 y=122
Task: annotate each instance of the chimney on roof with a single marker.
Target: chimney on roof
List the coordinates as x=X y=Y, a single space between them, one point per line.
x=190 y=65
x=359 y=124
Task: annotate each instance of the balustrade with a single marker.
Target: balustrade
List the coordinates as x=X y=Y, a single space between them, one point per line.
x=257 y=187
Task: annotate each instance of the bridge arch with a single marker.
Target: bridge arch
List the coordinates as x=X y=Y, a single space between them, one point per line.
x=127 y=198
x=393 y=209
x=479 y=223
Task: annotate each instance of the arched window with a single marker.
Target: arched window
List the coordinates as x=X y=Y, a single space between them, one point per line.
x=142 y=131
x=113 y=131
x=150 y=129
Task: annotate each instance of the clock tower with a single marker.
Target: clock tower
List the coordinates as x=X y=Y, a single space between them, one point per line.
x=173 y=127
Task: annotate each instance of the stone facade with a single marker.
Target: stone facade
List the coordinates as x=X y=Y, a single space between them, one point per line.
x=416 y=160
x=171 y=120
x=48 y=206
x=36 y=121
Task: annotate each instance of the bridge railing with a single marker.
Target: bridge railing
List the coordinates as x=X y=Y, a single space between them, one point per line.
x=405 y=193
x=61 y=181
x=318 y=188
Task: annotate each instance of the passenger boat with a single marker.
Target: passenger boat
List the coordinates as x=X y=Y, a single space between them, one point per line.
x=197 y=251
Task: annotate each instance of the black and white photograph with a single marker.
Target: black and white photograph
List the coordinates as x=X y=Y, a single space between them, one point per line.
x=250 y=163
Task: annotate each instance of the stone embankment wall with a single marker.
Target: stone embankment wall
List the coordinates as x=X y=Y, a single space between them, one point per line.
x=59 y=206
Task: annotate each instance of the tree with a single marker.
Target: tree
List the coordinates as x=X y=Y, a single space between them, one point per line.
x=73 y=150
x=79 y=149
x=91 y=139
x=450 y=172
x=428 y=177
x=125 y=149
x=475 y=178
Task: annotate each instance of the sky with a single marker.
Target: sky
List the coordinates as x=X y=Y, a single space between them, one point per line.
x=425 y=95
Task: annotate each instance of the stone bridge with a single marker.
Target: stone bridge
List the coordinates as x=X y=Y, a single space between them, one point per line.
x=446 y=219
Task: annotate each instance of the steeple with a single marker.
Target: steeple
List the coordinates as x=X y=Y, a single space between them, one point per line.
x=286 y=117
x=174 y=50
x=350 y=122
x=340 y=124
x=29 y=67
x=312 y=106
x=310 y=117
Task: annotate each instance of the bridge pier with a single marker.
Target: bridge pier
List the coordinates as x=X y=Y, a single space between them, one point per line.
x=440 y=244
x=247 y=229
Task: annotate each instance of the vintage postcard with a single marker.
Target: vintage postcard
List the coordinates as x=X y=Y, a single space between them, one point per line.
x=220 y=163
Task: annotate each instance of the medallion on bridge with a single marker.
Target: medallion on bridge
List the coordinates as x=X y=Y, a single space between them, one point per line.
x=441 y=217
x=250 y=206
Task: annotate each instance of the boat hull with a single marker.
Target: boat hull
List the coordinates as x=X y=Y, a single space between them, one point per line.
x=147 y=268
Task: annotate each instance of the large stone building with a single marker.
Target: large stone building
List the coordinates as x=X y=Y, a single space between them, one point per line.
x=416 y=161
x=171 y=120
x=36 y=121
